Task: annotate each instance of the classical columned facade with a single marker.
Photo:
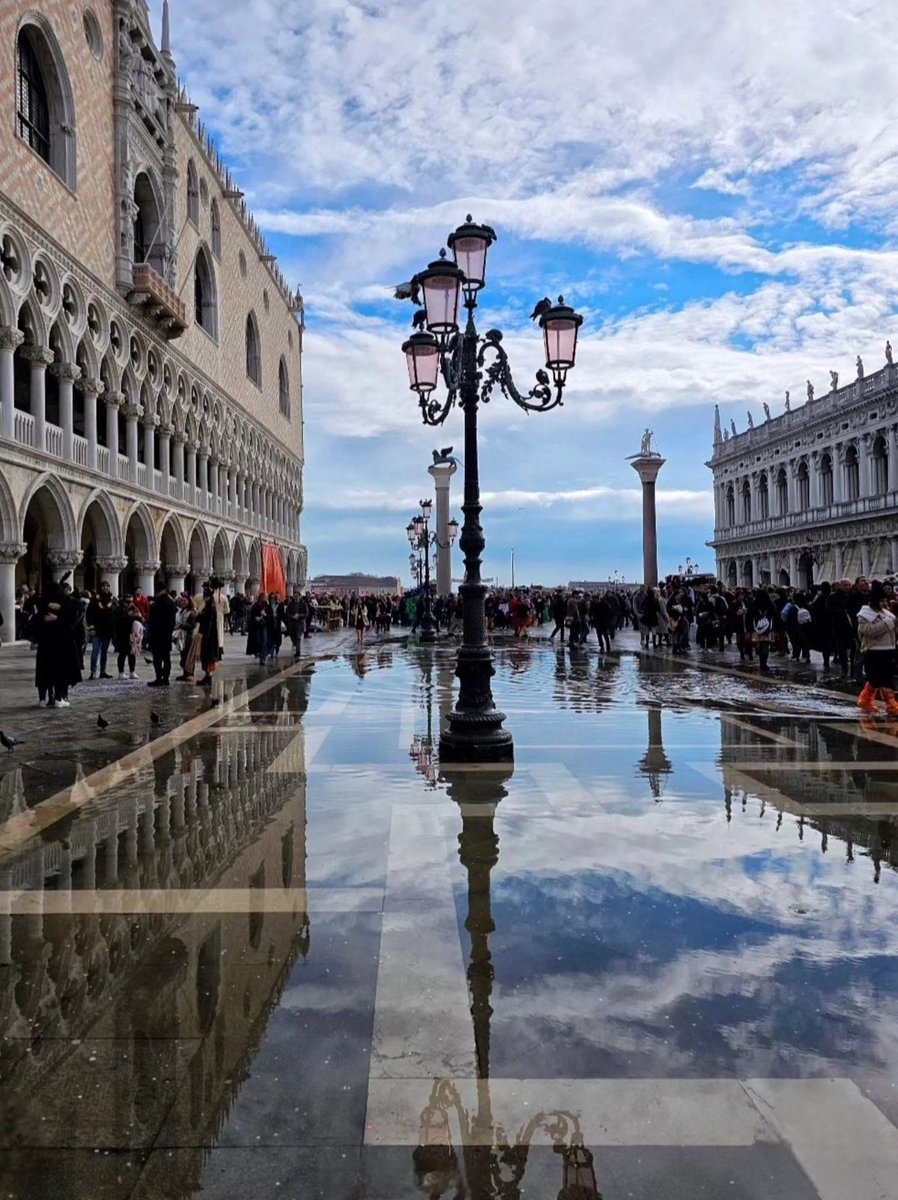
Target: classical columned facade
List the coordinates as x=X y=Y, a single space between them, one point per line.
x=811 y=494
x=150 y=361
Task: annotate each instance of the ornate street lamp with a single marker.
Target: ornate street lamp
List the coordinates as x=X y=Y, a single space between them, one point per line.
x=422 y=538
x=472 y=366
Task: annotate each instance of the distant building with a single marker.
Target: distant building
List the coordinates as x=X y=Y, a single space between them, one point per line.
x=813 y=493
x=591 y=585
x=346 y=585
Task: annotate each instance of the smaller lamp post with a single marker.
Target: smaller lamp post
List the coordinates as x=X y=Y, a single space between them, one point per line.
x=421 y=538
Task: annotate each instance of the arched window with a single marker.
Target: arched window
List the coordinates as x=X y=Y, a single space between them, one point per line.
x=253 y=350
x=284 y=389
x=746 y=502
x=193 y=194
x=204 y=296
x=880 y=466
x=782 y=493
x=826 y=479
x=852 y=474
x=216 y=229
x=730 y=506
x=803 y=480
x=763 y=497
x=45 y=112
x=148 y=240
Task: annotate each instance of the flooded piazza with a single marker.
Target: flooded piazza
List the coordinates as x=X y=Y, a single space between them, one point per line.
x=275 y=949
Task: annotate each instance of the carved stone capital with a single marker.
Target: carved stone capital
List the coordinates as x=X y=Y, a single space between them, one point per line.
x=150 y=421
x=177 y=568
x=65 y=370
x=90 y=387
x=132 y=411
x=166 y=430
x=111 y=563
x=11 y=552
x=10 y=339
x=192 y=446
x=64 y=559
x=203 y=451
x=179 y=437
x=38 y=356
x=114 y=399
x=150 y=567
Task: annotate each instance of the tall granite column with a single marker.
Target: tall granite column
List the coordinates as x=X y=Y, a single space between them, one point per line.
x=442 y=473
x=647 y=465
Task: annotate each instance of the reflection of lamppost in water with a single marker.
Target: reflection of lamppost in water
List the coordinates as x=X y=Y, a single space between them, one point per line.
x=655 y=764
x=422 y=747
x=491 y=1166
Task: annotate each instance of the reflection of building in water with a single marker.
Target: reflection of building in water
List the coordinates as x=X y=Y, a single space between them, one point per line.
x=808 y=793
x=167 y=988
x=489 y=1164
x=654 y=764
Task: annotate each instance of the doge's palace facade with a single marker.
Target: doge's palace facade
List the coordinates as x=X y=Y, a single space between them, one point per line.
x=811 y=494
x=150 y=349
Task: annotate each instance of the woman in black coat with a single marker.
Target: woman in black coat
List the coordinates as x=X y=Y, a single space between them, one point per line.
x=57 y=663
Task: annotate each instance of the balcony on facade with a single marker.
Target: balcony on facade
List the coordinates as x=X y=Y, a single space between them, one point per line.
x=156 y=302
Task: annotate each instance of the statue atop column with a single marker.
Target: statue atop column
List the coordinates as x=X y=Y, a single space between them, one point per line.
x=645 y=449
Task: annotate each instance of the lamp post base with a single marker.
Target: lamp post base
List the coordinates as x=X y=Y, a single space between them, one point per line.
x=475 y=733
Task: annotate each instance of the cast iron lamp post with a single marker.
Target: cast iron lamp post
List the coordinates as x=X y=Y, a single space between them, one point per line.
x=422 y=538
x=472 y=366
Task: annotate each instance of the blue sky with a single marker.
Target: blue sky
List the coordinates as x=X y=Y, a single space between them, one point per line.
x=712 y=186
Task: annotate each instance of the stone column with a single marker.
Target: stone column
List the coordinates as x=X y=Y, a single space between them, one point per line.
x=203 y=480
x=793 y=568
x=63 y=561
x=647 y=467
x=865 y=557
x=232 y=492
x=67 y=374
x=90 y=390
x=179 y=439
x=177 y=575
x=839 y=565
x=40 y=358
x=892 y=444
x=10 y=553
x=442 y=478
x=839 y=474
x=252 y=586
x=114 y=401
x=110 y=570
x=150 y=421
x=191 y=470
x=814 y=479
x=10 y=340
x=146 y=576
x=133 y=413
x=865 y=483
x=221 y=486
x=165 y=435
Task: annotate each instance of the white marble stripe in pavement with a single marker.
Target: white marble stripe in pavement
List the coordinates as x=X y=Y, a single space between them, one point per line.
x=840 y=1139
x=331 y=708
x=743 y=780
x=422 y=1022
x=190 y=901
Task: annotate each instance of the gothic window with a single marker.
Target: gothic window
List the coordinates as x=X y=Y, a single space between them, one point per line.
x=204 y=297
x=45 y=114
x=803 y=480
x=216 y=229
x=148 y=240
x=253 y=350
x=782 y=493
x=880 y=466
x=284 y=389
x=730 y=506
x=746 y=502
x=763 y=497
x=826 y=480
x=193 y=194
x=852 y=474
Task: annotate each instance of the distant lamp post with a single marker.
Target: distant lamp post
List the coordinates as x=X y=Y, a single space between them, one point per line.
x=421 y=538
x=475 y=725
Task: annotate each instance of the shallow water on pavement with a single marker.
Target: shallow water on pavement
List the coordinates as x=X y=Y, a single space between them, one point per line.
x=289 y=954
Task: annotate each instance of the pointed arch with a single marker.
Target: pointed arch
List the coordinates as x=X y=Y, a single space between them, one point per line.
x=140 y=531
x=193 y=193
x=99 y=517
x=253 y=349
x=215 y=218
x=9 y=519
x=241 y=562
x=56 y=508
x=284 y=388
x=199 y=552
x=149 y=240
x=45 y=107
x=173 y=542
x=221 y=554
x=205 y=292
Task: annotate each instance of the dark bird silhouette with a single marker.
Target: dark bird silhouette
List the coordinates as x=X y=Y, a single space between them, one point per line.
x=419 y=320
x=102 y=723
x=9 y=741
x=154 y=717
x=542 y=376
x=408 y=291
x=544 y=305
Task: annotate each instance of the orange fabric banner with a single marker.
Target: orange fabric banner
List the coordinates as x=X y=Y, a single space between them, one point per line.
x=274 y=578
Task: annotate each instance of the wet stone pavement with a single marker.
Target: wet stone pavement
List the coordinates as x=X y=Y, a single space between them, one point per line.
x=271 y=948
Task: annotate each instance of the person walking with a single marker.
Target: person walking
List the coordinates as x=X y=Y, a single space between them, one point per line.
x=876 y=630
x=257 y=628
x=128 y=638
x=761 y=613
x=187 y=637
x=101 y=627
x=160 y=628
x=558 y=611
x=209 y=645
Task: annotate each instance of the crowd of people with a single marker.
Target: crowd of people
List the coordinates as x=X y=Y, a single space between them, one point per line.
x=851 y=624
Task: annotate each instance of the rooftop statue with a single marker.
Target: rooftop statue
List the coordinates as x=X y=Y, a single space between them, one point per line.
x=751 y=423
x=860 y=367
x=810 y=391
x=788 y=402
x=889 y=353
x=833 y=381
x=766 y=412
